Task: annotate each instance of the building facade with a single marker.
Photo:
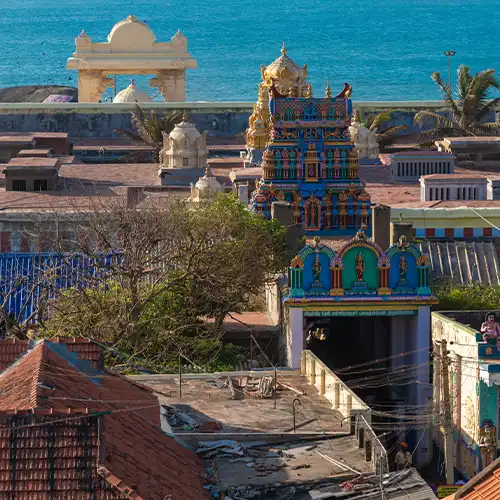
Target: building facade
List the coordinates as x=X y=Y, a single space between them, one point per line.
x=474 y=378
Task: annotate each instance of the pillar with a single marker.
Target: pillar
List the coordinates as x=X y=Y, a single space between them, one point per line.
x=303 y=363
x=243 y=192
x=381 y=226
x=92 y=84
x=296 y=337
x=171 y=84
x=336 y=395
x=322 y=381
x=312 y=371
x=423 y=391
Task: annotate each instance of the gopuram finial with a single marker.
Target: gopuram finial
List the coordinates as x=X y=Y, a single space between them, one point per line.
x=328 y=91
x=185 y=116
x=283 y=48
x=208 y=172
x=317 y=242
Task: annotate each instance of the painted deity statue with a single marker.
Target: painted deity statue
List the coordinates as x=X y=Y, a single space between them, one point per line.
x=360 y=267
x=403 y=268
x=491 y=330
x=317 y=268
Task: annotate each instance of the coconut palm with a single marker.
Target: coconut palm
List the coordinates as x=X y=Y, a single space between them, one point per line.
x=466 y=113
x=385 y=135
x=148 y=131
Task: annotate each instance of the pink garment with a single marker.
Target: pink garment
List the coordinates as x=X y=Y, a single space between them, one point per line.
x=491 y=333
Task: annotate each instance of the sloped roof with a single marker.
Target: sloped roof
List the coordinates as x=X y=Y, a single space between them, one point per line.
x=483 y=486
x=12 y=349
x=71 y=430
x=464 y=261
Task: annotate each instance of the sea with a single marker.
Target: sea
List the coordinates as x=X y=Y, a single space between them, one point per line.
x=386 y=49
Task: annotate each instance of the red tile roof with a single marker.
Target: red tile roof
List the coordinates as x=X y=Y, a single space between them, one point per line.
x=483 y=486
x=11 y=350
x=69 y=430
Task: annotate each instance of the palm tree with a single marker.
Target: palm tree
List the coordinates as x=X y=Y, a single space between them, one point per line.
x=466 y=113
x=148 y=131
x=385 y=135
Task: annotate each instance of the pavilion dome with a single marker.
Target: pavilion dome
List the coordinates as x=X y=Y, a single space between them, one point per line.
x=284 y=68
x=132 y=94
x=185 y=130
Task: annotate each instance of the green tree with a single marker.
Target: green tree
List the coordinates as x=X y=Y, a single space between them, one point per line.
x=466 y=113
x=148 y=129
x=171 y=274
x=455 y=296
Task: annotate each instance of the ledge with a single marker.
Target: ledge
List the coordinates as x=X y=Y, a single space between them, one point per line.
x=197 y=107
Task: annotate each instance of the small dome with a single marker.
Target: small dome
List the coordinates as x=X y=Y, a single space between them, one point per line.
x=132 y=94
x=207 y=187
x=185 y=130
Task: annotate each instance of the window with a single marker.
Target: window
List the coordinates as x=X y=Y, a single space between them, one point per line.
x=19 y=185
x=40 y=185
x=185 y=162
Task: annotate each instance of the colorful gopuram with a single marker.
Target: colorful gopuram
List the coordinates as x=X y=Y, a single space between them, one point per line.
x=310 y=162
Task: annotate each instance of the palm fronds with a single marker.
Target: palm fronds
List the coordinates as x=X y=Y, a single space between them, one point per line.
x=148 y=129
x=465 y=112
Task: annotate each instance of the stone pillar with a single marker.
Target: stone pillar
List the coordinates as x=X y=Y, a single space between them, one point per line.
x=296 y=337
x=381 y=226
x=242 y=188
x=171 y=84
x=312 y=371
x=424 y=392
x=322 y=381
x=92 y=84
x=303 y=364
x=336 y=395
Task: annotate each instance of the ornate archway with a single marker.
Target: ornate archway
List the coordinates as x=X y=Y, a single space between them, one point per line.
x=131 y=49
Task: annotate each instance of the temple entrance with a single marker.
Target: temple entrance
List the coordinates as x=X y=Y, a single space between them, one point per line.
x=350 y=340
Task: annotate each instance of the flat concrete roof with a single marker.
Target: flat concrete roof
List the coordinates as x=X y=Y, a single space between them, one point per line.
x=33 y=162
x=206 y=399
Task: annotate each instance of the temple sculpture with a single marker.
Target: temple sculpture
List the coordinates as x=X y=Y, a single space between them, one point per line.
x=184 y=154
x=310 y=162
x=288 y=78
x=206 y=189
x=365 y=141
x=131 y=48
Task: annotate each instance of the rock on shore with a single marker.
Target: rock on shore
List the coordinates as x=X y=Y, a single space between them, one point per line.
x=35 y=93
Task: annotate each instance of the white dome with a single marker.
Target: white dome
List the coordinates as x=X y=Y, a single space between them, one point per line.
x=185 y=130
x=132 y=94
x=207 y=187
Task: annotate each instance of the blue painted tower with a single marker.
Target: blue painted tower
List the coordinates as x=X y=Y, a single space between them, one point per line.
x=310 y=162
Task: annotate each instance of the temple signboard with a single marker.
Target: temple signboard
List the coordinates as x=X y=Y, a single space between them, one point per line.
x=360 y=313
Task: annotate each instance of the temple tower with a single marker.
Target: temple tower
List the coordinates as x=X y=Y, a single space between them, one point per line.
x=310 y=162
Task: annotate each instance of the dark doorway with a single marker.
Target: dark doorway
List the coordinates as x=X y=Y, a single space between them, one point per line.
x=350 y=340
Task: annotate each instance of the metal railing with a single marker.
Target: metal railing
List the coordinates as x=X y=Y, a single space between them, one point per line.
x=375 y=451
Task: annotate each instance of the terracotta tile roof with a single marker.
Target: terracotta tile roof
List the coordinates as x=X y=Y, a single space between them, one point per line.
x=69 y=430
x=483 y=486
x=11 y=350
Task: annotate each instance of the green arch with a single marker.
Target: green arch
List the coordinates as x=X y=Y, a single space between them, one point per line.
x=370 y=258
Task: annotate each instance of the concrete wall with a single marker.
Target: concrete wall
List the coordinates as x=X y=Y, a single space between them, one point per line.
x=222 y=119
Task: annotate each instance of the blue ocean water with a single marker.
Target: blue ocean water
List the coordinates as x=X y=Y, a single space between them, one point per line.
x=386 y=49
